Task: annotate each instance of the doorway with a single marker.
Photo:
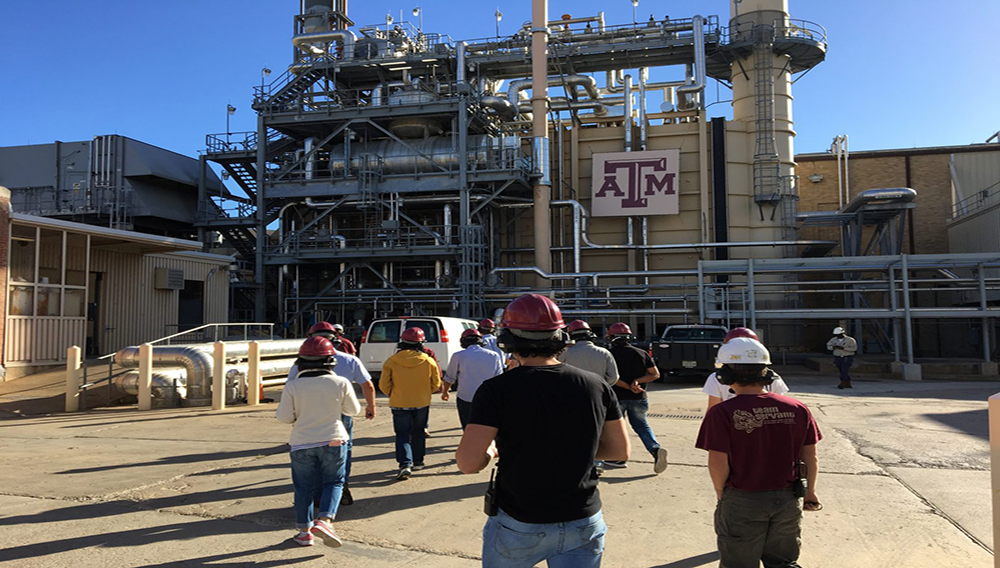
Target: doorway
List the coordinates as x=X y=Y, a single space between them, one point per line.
x=191 y=305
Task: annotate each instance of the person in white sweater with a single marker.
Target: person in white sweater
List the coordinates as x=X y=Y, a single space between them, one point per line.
x=318 y=440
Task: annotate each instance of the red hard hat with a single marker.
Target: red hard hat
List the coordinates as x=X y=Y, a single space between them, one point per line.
x=471 y=333
x=533 y=312
x=413 y=335
x=619 y=328
x=578 y=325
x=316 y=347
x=321 y=326
x=487 y=324
x=740 y=332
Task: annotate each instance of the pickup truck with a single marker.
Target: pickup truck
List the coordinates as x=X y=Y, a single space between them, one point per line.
x=688 y=349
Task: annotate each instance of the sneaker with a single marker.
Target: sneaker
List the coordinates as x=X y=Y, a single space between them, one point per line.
x=404 y=473
x=323 y=530
x=615 y=464
x=346 y=498
x=418 y=467
x=599 y=468
x=304 y=538
x=659 y=460
x=427 y=433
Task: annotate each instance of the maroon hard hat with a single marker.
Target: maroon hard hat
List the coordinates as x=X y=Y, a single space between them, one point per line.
x=578 y=325
x=413 y=335
x=471 y=333
x=487 y=324
x=533 y=312
x=316 y=347
x=740 y=332
x=321 y=326
x=619 y=328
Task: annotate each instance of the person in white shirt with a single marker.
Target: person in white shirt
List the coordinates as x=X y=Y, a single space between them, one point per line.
x=313 y=404
x=470 y=368
x=844 y=347
x=718 y=392
x=486 y=328
x=353 y=369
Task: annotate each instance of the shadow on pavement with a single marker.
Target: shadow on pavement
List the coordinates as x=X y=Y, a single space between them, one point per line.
x=973 y=422
x=186 y=531
x=187 y=458
x=693 y=561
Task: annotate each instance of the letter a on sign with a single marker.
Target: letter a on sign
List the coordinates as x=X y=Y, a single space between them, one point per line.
x=635 y=183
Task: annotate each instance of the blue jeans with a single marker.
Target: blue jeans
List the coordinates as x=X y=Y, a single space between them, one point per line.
x=317 y=470
x=349 y=425
x=636 y=411
x=509 y=543
x=754 y=527
x=844 y=365
x=409 y=424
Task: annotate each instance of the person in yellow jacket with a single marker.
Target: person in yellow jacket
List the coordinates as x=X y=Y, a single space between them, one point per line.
x=409 y=378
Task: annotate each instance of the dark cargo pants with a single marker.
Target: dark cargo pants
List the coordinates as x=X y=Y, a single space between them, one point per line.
x=754 y=527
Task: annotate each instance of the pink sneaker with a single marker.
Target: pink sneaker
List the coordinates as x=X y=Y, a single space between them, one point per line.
x=323 y=530
x=305 y=539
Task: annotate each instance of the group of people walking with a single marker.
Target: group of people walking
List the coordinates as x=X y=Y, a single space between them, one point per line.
x=516 y=393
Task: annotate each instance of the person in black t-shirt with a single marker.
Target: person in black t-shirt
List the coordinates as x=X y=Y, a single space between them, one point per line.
x=635 y=368
x=549 y=421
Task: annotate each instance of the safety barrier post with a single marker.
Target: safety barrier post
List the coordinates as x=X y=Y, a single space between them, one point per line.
x=253 y=374
x=145 y=376
x=994 y=412
x=73 y=377
x=219 y=376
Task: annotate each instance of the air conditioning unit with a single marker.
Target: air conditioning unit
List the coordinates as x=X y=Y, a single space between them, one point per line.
x=169 y=279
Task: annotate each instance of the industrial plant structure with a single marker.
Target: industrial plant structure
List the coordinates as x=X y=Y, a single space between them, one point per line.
x=395 y=171
x=398 y=171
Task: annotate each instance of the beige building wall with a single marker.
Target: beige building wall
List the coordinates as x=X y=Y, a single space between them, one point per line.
x=133 y=311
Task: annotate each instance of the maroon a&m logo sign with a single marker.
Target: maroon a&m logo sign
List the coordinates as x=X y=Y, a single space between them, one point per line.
x=635 y=183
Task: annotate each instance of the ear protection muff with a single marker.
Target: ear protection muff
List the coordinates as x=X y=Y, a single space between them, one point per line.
x=507 y=341
x=726 y=376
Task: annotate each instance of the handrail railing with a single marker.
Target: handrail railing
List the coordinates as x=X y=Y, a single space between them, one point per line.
x=215 y=327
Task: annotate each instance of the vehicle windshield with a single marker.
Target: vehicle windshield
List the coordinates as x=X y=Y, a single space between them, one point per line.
x=388 y=331
x=694 y=334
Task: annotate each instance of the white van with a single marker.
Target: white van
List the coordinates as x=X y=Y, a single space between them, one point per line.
x=443 y=337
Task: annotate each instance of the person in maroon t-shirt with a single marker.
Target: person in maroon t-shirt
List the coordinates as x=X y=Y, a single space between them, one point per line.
x=755 y=443
x=346 y=346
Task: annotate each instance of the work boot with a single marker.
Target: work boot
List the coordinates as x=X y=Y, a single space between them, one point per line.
x=346 y=498
x=843 y=385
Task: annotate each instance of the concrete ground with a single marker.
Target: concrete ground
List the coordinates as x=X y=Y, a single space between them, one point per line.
x=904 y=479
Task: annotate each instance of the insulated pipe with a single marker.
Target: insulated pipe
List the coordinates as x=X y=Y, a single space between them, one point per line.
x=501 y=106
x=345 y=37
x=561 y=103
x=461 y=70
x=310 y=157
x=540 y=132
x=196 y=363
x=589 y=84
x=891 y=195
x=697 y=87
x=447 y=223
x=628 y=113
x=580 y=212
x=643 y=74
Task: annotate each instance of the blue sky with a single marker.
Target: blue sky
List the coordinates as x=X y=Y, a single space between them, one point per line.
x=899 y=74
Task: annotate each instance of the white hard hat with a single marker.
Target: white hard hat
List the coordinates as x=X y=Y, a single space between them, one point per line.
x=838 y=330
x=743 y=351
